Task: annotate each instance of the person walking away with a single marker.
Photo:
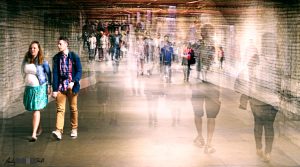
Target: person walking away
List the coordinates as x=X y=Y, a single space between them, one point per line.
x=221 y=56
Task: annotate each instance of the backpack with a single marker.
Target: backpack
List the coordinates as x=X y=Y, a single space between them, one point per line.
x=191 y=57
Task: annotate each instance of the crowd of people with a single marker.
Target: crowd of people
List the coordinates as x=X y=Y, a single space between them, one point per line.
x=149 y=53
x=152 y=52
x=102 y=39
x=110 y=41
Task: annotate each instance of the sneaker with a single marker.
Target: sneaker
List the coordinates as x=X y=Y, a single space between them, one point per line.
x=74 y=133
x=57 y=134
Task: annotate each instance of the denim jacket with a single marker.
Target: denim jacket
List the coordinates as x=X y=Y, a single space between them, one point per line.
x=43 y=73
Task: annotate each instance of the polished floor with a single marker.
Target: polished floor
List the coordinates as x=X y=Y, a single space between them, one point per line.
x=130 y=121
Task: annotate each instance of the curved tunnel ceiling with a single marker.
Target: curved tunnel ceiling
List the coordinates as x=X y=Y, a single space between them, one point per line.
x=110 y=9
x=95 y=9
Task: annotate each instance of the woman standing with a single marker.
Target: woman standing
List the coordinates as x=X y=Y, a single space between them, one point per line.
x=140 y=54
x=37 y=76
x=221 y=56
x=187 y=61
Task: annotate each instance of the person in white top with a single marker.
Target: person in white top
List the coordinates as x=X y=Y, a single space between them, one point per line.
x=140 y=54
x=37 y=77
x=92 y=42
x=102 y=46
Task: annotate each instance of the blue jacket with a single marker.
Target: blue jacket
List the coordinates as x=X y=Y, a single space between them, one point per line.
x=76 y=71
x=42 y=71
x=166 y=54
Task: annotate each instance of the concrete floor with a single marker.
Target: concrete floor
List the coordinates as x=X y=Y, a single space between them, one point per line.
x=115 y=128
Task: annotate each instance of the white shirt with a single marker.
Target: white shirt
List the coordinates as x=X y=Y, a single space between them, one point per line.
x=140 y=52
x=92 y=41
x=30 y=75
x=103 y=41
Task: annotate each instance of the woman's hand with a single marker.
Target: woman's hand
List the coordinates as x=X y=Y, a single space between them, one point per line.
x=49 y=90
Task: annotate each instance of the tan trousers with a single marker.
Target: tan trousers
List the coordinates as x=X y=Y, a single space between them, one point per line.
x=61 y=109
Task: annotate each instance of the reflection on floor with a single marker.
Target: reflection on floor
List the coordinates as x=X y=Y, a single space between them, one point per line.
x=142 y=121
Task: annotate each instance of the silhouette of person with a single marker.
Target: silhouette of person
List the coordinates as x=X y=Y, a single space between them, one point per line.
x=263 y=111
x=264 y=117
x=205 y=98
x=152 y=92
x=176 y=97
x=102 y=98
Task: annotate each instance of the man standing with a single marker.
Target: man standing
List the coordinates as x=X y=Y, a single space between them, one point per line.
x=66 y=75
x=188 y=58
x=166 y=55
x=102 y=45
x=92 y=48
x=115 y=45
x=115 y=41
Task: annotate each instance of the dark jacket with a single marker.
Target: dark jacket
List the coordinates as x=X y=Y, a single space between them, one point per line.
x=76 y=71
x=166 y=54
x=191 y=57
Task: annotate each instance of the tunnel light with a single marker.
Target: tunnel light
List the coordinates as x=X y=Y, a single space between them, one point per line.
x=191 y=2
x=163 y=5
x=127 y=11
x=216 y=39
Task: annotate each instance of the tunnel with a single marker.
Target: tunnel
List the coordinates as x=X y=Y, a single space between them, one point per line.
x=237 y=104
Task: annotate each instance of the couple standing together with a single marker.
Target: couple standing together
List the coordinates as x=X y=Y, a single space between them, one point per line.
x=64 y=80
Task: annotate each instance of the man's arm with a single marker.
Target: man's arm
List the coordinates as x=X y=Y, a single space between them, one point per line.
x=55 y=74
x=78 y=69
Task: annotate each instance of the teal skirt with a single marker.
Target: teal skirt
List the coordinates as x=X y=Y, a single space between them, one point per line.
x=35 y=97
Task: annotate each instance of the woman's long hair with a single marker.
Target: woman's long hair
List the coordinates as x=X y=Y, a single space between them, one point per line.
x=30 y=59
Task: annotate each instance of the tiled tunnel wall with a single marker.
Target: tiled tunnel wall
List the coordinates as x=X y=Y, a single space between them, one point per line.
x=270 y=28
